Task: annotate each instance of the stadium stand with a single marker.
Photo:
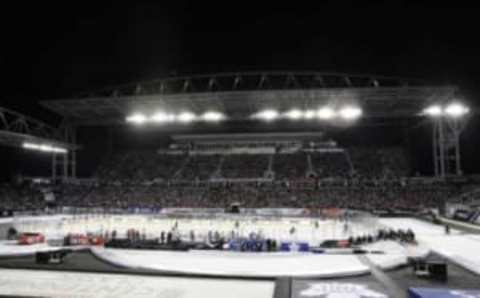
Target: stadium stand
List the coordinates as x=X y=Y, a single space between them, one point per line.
x=331 y=164
x=360 y=178
x=290 y=166
x=199 y=167
x=406 y=197
x=387 y=162
x=244 y=166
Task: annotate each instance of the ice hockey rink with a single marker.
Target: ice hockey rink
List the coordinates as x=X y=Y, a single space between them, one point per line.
x=458 y=247
x=308 y=230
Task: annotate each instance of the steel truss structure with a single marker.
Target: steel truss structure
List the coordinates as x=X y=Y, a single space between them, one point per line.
x=248 y=81
x=238 y=95
x=17 y=129
x=446 y=145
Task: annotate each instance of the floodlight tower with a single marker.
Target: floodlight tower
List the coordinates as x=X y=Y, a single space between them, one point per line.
x=448 y=124
x=64 y=164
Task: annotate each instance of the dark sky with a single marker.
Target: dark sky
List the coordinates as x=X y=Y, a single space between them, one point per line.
x=50 y=50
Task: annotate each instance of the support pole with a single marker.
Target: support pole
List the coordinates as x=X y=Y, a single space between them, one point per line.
x=446 y=146
x=74 y=153
x=66 y=156
x=457 y=156
x=54 y=167
x=435 y=149
x=441 y=143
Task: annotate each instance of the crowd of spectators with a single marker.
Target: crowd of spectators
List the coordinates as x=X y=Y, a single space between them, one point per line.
x=259 y=195
x=333 y=164
x=379 y=163
x=21 y=197
x=152 y=180
x=290 y=166
x=244 y=166
x=139 y=166
x=199 y=167
x=361 y=163
x=222 y=195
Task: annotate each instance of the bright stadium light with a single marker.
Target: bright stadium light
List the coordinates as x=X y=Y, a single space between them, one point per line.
x=186 y=117
x=433 y=111
x=162 y=117
x=213 y=116
x=137 y=118
x=267 y=115
x=325 y=113
x=294 y=114
x=309 y=114
x=350 y=112
x=44 y=148
x=456 y=110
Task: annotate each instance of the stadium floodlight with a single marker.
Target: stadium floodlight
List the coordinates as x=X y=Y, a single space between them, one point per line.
x=456 y=110
x=294 y=114
x=186 y=117
x=44 y=148
x=309 y=114
x=350 y=112
x=213 y=116
x=325 y=113
x=162 y=117
x=433 y=111
x=267 y=115
x=137 y=118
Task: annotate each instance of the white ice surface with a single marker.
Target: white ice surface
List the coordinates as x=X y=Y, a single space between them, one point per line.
x=278 y=229
x=67 y=284
x=236 y=263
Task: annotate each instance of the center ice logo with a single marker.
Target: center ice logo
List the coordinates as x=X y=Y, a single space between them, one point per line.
x=340 y=290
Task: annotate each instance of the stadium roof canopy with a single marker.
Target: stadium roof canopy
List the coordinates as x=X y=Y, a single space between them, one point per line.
x=238 y=95
x=247 y=137
x=17 y=129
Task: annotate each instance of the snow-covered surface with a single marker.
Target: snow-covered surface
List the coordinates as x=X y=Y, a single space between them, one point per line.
x=463 y=249
x=67 y=284
x=458 y=247
x=4 y=220
x=11 y=248
x=394 y=254
x=420 y=227
x=236 y=263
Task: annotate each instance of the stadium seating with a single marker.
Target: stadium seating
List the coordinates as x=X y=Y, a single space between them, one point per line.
x=362 y=178
x=199 y=167
x=331 y=164
x=379 y=163
x=290 y=166
x=244 y=166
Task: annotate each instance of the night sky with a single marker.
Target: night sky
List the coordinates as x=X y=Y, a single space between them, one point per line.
x=53 y=50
